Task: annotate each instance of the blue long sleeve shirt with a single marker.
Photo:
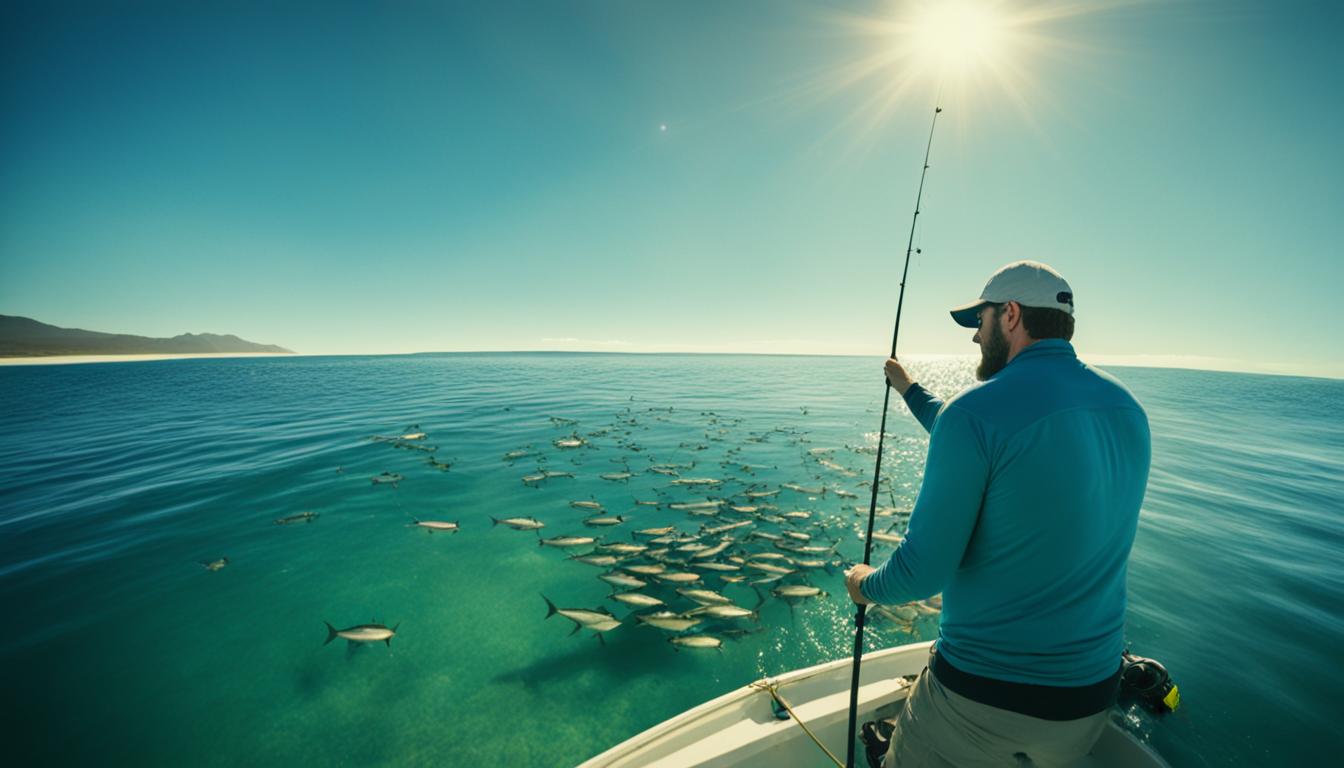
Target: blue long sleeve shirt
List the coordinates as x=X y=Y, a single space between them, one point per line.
x=1025 y=519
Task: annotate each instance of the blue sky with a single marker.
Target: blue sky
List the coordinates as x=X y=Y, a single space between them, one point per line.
x=412 y=176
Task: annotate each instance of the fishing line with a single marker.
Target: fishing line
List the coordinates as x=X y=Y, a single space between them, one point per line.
x=877 y=469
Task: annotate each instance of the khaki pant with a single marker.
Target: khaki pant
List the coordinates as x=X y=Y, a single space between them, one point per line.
x=942 y=729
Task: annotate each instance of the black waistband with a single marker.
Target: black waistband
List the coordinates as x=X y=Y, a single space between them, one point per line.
x=1048 y=702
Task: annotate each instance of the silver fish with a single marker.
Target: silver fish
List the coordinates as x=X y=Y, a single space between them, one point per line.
x=694 y=505
x=697 y=641
x=564 y=542
x=520 y=523
x=617 y=579
x=621 y=548
x=796 y=591
x=804 y=549
x=586 y=505
x=716 y=530
x=694 y=481
x=712 y=551
x=637 y=599
x=436 y=525
x=391 y=478
x=880 y=511
x=599 y=620
x=215 y=565
x=721 y=567
x=836 y=467
x=906 y=626
x=704 y=596
x=362 y=633
x=645 y=570
x=672 y=622
x=677 y=577
x=604 y=521
x=728 y=611
x=602 y=561
x=774 y=569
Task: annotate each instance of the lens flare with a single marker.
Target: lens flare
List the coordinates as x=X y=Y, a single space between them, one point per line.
x=954 y=38
x=963 y=53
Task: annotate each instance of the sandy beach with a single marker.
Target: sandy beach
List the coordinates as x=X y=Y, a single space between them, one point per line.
x=73 y=359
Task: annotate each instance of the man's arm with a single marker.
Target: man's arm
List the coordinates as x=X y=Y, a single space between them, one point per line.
x=955 y=478
x=922 y=403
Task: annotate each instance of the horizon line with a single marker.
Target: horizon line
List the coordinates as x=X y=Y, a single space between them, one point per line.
x=1164 y=362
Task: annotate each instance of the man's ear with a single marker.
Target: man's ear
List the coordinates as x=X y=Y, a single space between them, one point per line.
x=1012 y=314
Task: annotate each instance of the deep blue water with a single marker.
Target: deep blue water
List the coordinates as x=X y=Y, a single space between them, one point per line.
x=118 y=480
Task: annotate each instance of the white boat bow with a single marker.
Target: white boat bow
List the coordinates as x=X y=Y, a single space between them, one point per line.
x=740 y=728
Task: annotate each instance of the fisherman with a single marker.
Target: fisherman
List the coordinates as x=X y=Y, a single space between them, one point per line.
x=1024 y=522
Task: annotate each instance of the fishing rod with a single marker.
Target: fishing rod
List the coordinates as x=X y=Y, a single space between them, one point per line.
x=877 y=469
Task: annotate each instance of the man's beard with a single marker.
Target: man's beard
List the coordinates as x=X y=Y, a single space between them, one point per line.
x=995 y=354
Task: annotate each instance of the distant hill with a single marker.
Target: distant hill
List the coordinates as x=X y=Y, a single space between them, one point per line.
x=25 y=337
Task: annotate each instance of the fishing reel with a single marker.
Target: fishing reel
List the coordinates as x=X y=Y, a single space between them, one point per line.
x=1148 y=682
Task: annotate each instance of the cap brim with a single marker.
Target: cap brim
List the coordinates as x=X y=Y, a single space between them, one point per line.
x=968 y=315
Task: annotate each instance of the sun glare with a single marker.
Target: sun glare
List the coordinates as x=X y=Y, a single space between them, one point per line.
x=953 y=37
x=962 y=53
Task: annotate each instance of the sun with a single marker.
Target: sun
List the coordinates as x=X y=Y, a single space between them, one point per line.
x=961 y=54
x=954 y=37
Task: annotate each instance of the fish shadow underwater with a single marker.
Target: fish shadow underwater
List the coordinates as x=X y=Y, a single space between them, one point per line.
x=629 y=652
x=321 y=673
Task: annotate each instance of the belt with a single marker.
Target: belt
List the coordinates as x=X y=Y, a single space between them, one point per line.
x=1048 y=702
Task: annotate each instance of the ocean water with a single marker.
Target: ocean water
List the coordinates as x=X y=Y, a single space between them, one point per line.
x=118 y=480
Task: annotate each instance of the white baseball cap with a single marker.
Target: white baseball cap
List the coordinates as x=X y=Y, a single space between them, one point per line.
x=1029 y=283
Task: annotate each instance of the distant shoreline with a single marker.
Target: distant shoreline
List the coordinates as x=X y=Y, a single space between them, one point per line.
x=1104 y=361
x=79 y=359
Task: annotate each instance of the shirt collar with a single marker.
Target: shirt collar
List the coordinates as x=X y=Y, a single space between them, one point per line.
x=1046 y=348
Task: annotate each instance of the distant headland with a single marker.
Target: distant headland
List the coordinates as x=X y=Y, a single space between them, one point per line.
x=25 y=337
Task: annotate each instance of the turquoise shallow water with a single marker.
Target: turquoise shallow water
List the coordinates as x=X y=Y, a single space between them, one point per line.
x=117 y=479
